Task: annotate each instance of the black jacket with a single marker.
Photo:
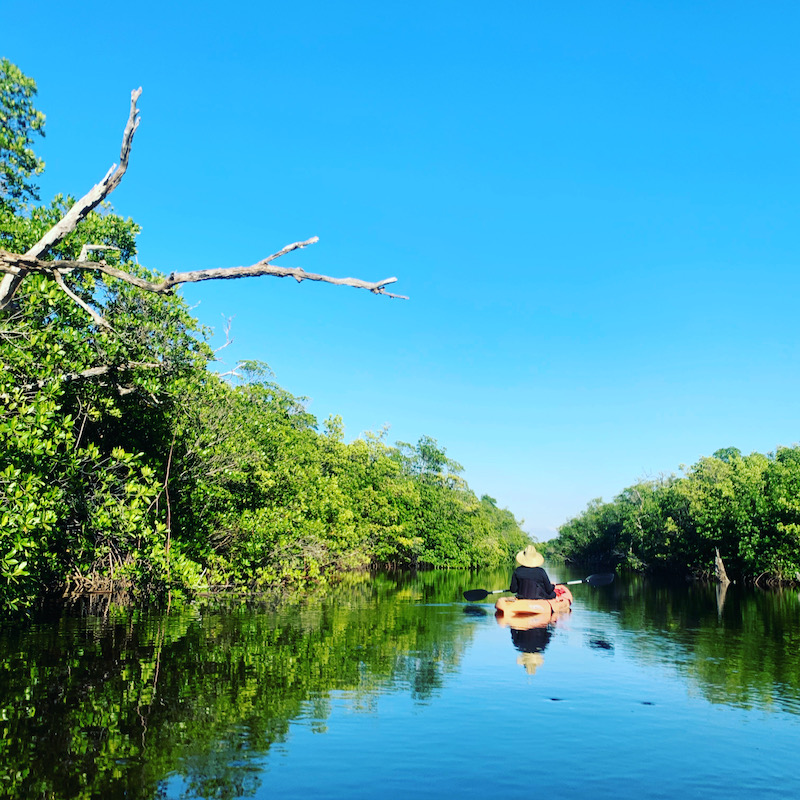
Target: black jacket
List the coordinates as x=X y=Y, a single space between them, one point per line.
x=532 y=583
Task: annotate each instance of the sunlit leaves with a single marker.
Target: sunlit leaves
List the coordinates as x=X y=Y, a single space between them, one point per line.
x=19 y=122
x=745 y=506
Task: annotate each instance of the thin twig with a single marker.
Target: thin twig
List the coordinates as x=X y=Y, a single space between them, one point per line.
x=72 y=296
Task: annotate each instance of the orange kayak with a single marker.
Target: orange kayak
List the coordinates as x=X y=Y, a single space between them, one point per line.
x=511 y=606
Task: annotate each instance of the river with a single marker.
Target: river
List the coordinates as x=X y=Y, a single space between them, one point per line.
x=395 y=687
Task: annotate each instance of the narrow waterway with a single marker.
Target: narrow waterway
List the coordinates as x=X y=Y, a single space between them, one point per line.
x=394 y=686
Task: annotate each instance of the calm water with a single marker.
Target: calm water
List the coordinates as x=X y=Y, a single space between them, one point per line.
x=396 y=688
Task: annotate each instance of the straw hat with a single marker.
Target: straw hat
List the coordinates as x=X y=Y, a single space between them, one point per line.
x=529 y=557
x=531 y=662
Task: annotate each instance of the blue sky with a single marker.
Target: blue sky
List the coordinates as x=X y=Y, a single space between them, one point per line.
x=592 y=206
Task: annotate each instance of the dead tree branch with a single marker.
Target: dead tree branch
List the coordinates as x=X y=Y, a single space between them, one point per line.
x=13 y=264
x=719 y=568
x=87 y=374
x=17 y=266
x=75 y=299
x=81 y=208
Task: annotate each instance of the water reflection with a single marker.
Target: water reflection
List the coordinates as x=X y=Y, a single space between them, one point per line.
x=530 y=636
x=721 y=592
x=113 y=705
x=108 y=706
x=531 y=642
x=739 y=646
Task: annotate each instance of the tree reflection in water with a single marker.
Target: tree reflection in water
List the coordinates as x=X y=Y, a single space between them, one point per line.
x=117 y=705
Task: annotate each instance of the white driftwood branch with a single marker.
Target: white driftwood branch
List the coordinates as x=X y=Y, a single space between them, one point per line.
x=81 y=208
x=75 y=299
x=13 y=263
x=16 y=266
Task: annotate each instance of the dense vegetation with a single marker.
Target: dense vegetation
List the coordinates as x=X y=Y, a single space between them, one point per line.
x=127 y=463
x=747 y=507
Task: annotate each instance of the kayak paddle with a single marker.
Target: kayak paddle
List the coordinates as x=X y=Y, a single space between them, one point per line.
x=479 y=594
x=602 y=579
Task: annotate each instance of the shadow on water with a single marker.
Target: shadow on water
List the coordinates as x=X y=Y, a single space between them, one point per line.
x=475 y=611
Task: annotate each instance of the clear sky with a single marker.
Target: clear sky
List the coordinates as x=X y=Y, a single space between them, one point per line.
x=593 y=207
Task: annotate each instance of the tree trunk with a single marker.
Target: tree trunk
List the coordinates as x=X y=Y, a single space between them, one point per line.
x=719 y=569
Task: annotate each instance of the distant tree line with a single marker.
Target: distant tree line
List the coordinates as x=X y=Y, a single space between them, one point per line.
x=747 y=507
x=127 y=463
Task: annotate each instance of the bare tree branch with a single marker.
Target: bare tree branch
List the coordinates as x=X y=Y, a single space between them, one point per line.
x=228 y=339
x=86 y=374
x=81 y=208
x=88 y=248
x=17 y=266
x=98 y=192
x=75 y=299
x=13 y=263
x=231 y=373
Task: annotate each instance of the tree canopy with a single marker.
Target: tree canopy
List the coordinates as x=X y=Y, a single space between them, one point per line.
x=127 y=463
x=745 y=507
x=19 y=123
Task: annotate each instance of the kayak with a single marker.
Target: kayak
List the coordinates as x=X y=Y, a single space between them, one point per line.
x=511 y=606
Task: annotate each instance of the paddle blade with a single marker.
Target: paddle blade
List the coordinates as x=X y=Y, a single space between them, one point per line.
x=475 y=594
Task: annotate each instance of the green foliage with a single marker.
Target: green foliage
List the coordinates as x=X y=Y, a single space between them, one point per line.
x=19 y=121
x=273 y=500
x=85 y=426
x=745 y=506
x=127 y=464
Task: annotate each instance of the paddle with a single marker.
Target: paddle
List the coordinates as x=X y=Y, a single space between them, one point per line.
x=602 y=579
x=479 y=594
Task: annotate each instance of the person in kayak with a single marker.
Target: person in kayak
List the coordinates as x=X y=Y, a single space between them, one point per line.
x=530 y=581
